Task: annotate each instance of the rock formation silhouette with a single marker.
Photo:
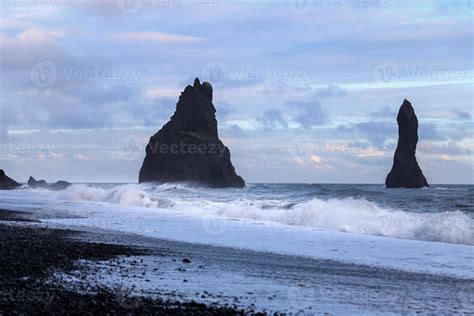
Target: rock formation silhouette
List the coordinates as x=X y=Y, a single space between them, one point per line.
x=188 y=148
x=58 y=186
x=7 y=183
x=405 y=172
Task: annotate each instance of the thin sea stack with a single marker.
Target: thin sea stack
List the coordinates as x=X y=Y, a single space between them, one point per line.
x=406 y=172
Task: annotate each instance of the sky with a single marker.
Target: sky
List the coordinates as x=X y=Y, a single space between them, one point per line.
x=306 y=91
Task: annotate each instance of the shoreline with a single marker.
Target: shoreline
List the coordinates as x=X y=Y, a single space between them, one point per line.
x=148 y=273
x=31 y=255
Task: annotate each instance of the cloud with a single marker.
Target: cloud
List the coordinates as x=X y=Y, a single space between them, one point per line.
x=316 y=159
x=21 y=51
x=160 y=92
x=384 y=112
x=223 y=109
x=383 y=127
x=451 y=149
x=150 y=114
x=227 y=76
x=308 y=113
x=83 y=157
x=377 y=132
x=97 y=94
x=345 y=128
x=155 y=37
x=100 y=7
x=298 y=161
x=371 y=153
x=331 y=91
x=429 y=132
x=273 y=119
x=56 y=155
x=445 y=158
x=235 y=131
x=463 y=115
x=33 y=35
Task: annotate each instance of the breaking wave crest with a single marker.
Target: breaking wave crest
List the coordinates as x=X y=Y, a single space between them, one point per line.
x=349 y=215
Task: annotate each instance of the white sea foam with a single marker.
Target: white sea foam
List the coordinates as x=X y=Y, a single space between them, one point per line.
x=345 y=215
x=347 y=230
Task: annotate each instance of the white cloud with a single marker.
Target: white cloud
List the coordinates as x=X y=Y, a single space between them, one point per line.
x=83 y=157
x=57 y=155
x=316 y=159
x=161 y=92
x=32 y=35
x=155 y=37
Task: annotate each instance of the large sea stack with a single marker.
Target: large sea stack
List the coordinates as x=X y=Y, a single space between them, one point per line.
x=188 y=148
x=405 y=172
x=7 y=183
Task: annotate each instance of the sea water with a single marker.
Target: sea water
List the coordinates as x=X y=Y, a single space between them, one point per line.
x=424 y=230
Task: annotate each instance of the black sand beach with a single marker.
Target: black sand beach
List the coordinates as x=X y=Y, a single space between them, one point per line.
x=30 y=255
x=61 y=271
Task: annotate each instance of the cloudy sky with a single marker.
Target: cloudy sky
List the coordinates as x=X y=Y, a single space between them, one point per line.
x=306 y=91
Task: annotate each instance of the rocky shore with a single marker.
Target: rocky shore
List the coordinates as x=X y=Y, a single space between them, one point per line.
x=7 y=183
x=29 y=257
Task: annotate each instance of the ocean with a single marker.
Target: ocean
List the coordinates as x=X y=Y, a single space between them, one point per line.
x=425 y=230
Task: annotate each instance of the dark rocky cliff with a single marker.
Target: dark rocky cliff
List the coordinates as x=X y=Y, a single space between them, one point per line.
x=42 y=184
x=188 y=148
x=405 y=172
x=7 y=183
